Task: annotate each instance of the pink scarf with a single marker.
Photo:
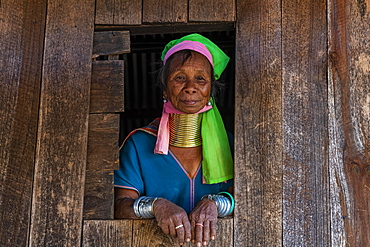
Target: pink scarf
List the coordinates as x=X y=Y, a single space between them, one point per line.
x=163 y=136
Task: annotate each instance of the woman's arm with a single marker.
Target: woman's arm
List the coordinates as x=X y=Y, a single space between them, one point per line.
x=171 y=218
x=123 y=202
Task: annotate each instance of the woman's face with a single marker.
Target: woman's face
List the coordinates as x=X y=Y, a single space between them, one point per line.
x=189 y=84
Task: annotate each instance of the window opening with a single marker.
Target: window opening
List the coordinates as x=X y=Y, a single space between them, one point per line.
x=143 y=99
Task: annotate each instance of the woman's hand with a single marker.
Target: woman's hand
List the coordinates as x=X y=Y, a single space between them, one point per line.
x=203 y=220
x=172 y=219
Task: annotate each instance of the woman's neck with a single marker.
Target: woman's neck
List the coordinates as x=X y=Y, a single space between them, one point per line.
x=185 y=130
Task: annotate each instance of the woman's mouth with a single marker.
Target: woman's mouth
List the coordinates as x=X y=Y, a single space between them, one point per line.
x=189 y=102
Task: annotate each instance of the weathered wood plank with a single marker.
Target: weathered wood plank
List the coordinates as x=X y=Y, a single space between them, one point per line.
x=118 y=12
x=107 y=86
x=99 y=195
x=169 y=28
x=211 y=10
x=107 y=233
x=349 y=129
x=22 y=28
x=111 y=43
x=306 y=217
x=258 y=122
x=164 y=11
x=147 y=233
x=102 y=146
x=57 y=202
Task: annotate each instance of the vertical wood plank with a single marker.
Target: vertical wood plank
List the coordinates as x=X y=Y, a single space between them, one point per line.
x=107 y=86
x=118 y=12
x=349 y=129
x=99 y=195
x=102 y=147
x=305 y=184
x=258 y=122
x=62 y=134
x=22 y=25
x=107 y=233
x=165 y=11
x=211 y=10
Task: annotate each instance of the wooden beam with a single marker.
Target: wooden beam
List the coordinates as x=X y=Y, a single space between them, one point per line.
x=171 y=28
x=305 y=120
x=102 y=147
x=107 y=86
x=111 y=43
x=349 y=118
x=21 y=43
x=211 y=10
x=258 y=124
x=107 y=233
x=123 y=12
x=62 y=133
x=165 y=11
x=99 y=195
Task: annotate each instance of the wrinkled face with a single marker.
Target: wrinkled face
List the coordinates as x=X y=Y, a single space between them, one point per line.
x=189 y=84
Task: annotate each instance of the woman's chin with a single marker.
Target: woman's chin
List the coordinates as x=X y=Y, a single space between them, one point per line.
x=191 y=109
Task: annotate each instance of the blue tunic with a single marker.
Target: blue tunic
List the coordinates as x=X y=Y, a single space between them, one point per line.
x=158 y=175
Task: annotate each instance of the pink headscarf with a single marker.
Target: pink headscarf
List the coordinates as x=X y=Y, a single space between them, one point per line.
x=189 y=45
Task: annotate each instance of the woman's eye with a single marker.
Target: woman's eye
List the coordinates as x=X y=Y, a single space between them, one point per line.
x=180 y=78
x=201 y=78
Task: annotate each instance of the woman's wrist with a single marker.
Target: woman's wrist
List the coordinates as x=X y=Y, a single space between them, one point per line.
x=143 y=207
x=224 y=202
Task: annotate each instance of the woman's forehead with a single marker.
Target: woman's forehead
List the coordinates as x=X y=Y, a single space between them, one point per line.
x=196 y=60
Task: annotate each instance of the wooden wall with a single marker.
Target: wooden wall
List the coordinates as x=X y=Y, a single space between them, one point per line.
x=302 y=107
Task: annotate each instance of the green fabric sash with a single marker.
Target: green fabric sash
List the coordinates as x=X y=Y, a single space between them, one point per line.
x=217 y=165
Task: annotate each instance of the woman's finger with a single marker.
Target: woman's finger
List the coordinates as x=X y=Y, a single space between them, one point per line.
x=206 y=232
x=213 y=229
x=187 y=229
x=172 y=230
x=180 y=231
x=199 y=227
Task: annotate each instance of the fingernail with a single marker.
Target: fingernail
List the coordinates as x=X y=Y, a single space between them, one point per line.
x=187 y=240
x=213 y=237
x=199 y=244
x=205 y=243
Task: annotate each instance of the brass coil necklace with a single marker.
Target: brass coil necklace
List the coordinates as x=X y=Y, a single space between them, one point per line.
x=185 y=130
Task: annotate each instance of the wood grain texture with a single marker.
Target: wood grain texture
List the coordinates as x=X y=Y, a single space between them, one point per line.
x=57 y=202
x=107 y=233
x=211 y=10
x=107 y=86
x=305 y=170
x=170 y=28
x=147 y=233
x=111 y=43
x=102 y=147
x=258 y=124
x=22 y=25
x=165 y=11
x=118 y=12
x=99 y=195
x=349 y=122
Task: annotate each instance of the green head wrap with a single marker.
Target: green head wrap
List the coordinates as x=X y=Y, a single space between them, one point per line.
x=201 y=44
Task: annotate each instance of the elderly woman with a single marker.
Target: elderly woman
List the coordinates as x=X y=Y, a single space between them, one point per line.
x=179 y=169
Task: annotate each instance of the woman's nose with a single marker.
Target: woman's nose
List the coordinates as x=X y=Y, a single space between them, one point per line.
x=190 y=87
